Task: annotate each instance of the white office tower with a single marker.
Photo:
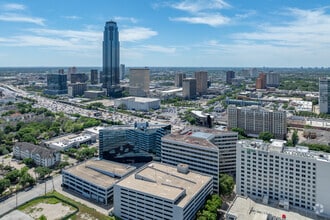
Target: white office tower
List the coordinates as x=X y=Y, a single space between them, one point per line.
x=324 y=99
x=289 y=176
x=159 y=191
x=207 y=151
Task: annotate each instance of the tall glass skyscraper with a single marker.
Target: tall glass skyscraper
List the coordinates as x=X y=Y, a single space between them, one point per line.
x=111 y=58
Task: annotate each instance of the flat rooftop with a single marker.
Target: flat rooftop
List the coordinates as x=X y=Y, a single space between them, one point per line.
x=100 y=172
x=165 y=181
x=189 y=138
x=245 y=208
x=138 y=99
x=66 y=140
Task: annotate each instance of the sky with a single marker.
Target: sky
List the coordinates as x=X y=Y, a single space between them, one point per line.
x=179 y=33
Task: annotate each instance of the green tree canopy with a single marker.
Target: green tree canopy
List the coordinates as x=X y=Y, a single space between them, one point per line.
x=226 y=184
x=42 y=172
x=266 y=136
x=295 y=138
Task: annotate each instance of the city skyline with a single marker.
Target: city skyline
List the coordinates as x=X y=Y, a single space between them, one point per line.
x=199 y=33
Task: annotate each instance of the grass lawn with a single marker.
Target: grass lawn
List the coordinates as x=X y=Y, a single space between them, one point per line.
x=84 y=212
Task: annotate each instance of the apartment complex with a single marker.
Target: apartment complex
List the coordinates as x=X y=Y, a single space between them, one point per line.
x=273 y=79
x=42 y=156
x=207 y=151
x=189 y=89
x=159 y=191
x=261 y=81
x=139 y=82
x=94 y=179
x=143 y=136
x=201 y=82
x=178 y=79
x=324 y=98
x=290 y=176
x=254 y=120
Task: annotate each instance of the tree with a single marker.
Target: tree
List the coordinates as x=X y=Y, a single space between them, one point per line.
x=26 y=179
x=42 y=172
x=295 y=138
x=12 y=176
x=226 y=184
x=29 y=162
x=4 y=184
x=42 y=217
x=240 y=131
x=266 y=136
x=210 y=210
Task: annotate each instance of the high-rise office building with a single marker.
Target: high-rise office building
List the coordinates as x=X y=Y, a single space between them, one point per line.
x=178 y=79
x=324 y=95
x=94 y=77
x=139 y=81
x=56 y=83
x=273 y=79
x=254 y=120
x=189 y=88
x=261 y=81
x=288 y=176
x=201 y=82
x=122 y=71
x=111 y=59
x=71 y=70
x=230 y=75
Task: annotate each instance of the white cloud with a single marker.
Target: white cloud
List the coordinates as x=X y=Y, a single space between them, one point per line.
x=13 y=7
x=130 y=19
x=136 y=34
x=72 y=17
x=213 y=20
x=158 y=48
x=11 y=17
x=194 y=6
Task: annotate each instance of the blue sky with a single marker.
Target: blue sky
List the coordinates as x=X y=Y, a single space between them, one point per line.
x=202 y=33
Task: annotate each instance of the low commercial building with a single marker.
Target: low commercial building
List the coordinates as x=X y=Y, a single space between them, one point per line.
x=160 y=191
x=203 y=119
x=71 y=140
x=137 y=103
x=42 y=156
x=91 y=94
x=288 y=176
x=94 y=179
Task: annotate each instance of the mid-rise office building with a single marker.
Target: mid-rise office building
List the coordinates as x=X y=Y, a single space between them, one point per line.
x=122 y=71
x=201 y=82
x=230 y=75
x=94 y=77
x=159 y=191
x=290 y=176
x=139 y=82
x=143 y=136
x=76 y=89
x=94 y=179
x=189 y=88
x=254 y=120
x=324 y=95
x=273 y=79
x=178 y=79
x=111 y=59
x=261 y=81
x=79 y=78
x=56 y=84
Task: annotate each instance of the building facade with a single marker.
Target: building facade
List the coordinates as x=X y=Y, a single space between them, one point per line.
x=189 y=88
x=76 y=89
x=143 y=136
x=201 y=82
x=94 y=77
x=159 y=191
x=122 y=71
x=139 y=82
x=324 y=95
x=94 y=179
x=290 y=176
x=261 y=81
x=137 y=103
x=255 y=120
x=56 y=84
x=273 y=79
x=79 y=78
x=230 y=75
x=178 y=79
x=111 y=58
x=42 y=156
